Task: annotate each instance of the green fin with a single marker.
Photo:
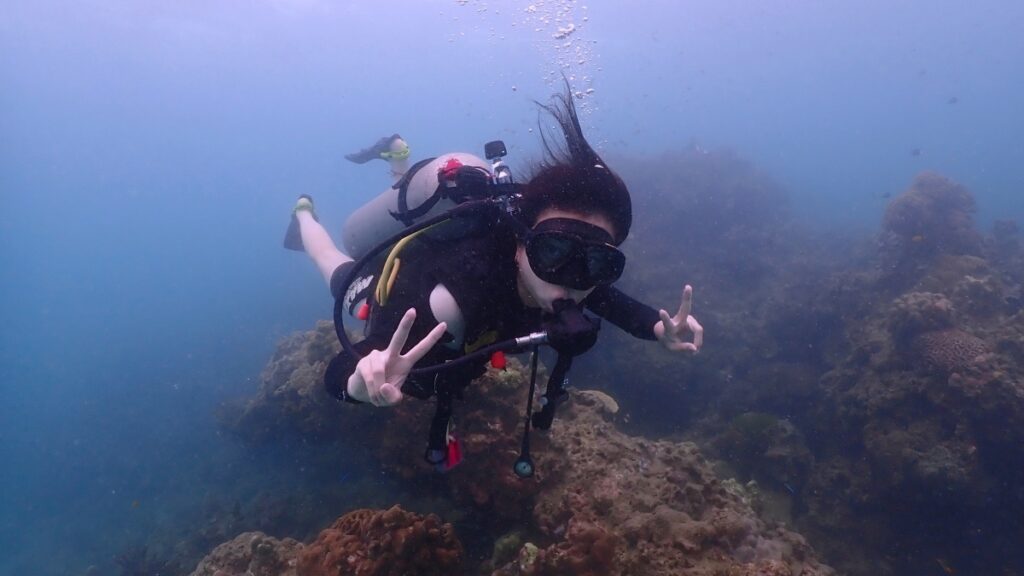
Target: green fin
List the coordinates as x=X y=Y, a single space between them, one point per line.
x=373 y=152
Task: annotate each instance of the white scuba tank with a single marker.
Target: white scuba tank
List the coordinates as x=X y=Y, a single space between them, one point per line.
x=373 y=222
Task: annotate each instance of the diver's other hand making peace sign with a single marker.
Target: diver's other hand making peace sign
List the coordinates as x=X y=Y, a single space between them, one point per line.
x=379 y=376
x=672 y=330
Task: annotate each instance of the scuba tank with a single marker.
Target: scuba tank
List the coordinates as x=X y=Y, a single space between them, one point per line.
x=421 y=193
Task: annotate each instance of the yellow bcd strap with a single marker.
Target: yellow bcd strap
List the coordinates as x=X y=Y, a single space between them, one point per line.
x=391 y=265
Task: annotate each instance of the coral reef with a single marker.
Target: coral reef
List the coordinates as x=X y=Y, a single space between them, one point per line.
x=383 y=543
x=917 y=312
x=901 y=375
x=291 y=397
x=627 y=505
x=949 y=351
x=602 y=502
x=251 y=554
x=362 y=542
x=911 y=409
x=934 y=217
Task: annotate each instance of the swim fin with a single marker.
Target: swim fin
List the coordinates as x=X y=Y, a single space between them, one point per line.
x=375 y=152
x=293 y=236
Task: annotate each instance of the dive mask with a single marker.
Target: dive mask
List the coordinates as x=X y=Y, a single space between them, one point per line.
x=573 y=253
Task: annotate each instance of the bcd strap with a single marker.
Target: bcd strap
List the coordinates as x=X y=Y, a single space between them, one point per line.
x=404 y=214
x=555 y=393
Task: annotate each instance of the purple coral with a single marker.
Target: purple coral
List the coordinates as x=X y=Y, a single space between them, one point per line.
x=949 y=351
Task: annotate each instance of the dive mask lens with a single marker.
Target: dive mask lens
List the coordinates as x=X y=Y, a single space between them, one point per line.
x=604 y=263
x=550 y=251
x=568 y=260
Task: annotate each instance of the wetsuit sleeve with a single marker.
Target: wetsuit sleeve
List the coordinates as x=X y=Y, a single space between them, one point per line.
x=631 y=315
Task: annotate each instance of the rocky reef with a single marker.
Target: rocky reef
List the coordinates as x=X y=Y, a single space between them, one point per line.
x=932 y=219
x=899 y=446
x=251 y=553
x=870 y=386
x=384 y=542
x=370 y=542
x=602 y=502
x=627 y=505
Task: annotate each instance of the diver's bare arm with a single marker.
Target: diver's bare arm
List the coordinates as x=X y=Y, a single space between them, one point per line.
x=318 y=244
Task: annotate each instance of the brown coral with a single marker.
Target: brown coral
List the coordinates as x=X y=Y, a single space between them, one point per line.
x=934 y=217
x=917 y=312
x=602 y=502
x=948 y=351
x=646 y=507
x=383 y=543
x=251 y=554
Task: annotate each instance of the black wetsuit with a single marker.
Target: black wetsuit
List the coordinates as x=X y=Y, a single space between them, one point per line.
x=480 y=273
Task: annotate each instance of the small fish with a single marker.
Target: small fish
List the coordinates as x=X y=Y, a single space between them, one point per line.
x=135 y=503
x=952 y=100
x=918 y=238
x=915 y=151
x=789 y=488
x=945 y=567
x=887 y=195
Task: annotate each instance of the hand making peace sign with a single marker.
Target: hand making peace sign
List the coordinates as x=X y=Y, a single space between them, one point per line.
x=379 y=376
x=672 y=330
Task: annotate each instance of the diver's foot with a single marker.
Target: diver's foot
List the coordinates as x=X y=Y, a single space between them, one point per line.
x=305 y=202
x=293 y=236
x=390 y=148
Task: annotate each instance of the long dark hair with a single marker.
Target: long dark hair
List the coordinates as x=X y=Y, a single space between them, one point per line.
x=573 y=177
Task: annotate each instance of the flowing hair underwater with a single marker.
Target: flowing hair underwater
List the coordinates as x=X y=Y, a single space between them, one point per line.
x=572 y=176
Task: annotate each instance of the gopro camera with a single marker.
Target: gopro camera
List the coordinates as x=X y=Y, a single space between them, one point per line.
x=495 y=149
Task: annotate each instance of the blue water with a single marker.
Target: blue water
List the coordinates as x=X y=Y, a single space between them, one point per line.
x=150 y=152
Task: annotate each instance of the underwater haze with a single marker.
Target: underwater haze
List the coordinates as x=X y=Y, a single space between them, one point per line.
x=151 y=152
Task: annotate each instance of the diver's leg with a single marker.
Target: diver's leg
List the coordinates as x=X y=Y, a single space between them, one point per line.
x=317 y=242
x=398 y=157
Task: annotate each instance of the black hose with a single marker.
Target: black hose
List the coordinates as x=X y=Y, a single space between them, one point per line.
x=523 y=466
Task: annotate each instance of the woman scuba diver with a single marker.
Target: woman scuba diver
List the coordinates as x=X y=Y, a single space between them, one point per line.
x=527 y=260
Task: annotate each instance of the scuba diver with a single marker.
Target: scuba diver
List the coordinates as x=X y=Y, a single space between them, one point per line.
x=455 y=264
